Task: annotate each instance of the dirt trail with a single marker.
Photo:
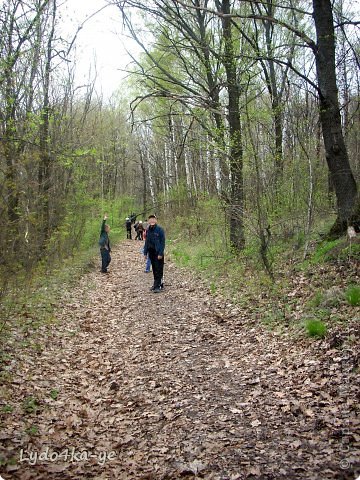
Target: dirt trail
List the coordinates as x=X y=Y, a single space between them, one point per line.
x=133 y=385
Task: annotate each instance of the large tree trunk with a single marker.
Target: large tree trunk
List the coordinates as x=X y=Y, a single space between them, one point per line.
x=236 y=200
x=336 y=153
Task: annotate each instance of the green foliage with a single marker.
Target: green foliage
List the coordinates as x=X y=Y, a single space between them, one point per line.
x=32 y=430
x=181 y=257
x=316 y=300
x=72 y=250
x=213 y=288
x=80 y=228
x=242 y=279
x=54 y=394
x=315 y=328
x=12 y=461
x=30 y=405
x=332 y=297
x=199 y=240
x=273 y=318
x=7 y=409
x=339 y=250
x=321 y=253
x=352 y=295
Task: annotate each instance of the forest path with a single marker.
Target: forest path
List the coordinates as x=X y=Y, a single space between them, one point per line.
x=181 y=384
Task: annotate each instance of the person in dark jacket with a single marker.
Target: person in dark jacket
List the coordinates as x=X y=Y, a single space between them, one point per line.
x=155 y=246
x=128 y=228
x=104 y=244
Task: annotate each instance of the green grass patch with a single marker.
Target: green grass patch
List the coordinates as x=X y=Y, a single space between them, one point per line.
x=323 y=251
x=315 y=328
x=181 y=257
x=352 y=295
x=213 y=288
x=7 y=409
x=339 y=250
x=32 y=430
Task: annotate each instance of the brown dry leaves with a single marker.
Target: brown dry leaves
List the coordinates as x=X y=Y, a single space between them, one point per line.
x=175 y=385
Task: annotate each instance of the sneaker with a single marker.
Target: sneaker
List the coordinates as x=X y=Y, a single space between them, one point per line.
x=157 y=290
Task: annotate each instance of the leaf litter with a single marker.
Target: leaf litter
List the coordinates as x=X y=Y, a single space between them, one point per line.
x=183 y=384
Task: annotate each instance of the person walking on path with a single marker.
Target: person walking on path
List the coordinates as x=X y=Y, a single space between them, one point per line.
x=128 y=228
x=104 y=243
x=139 y=231
x=148 y=261
x=136 y=226
x=155 y=246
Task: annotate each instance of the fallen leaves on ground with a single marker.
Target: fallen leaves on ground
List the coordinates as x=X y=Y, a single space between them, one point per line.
x=183 y=384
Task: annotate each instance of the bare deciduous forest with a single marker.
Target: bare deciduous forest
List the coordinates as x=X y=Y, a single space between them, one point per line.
x=238 y=125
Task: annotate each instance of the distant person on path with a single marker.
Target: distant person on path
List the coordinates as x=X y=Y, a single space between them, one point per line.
x=148 y=261
x=139 y=231
x=104 y=244
x=128 y=228
x=155 y=246
x=136 y=226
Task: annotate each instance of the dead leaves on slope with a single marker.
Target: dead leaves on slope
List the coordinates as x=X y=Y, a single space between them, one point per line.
x=179 y=385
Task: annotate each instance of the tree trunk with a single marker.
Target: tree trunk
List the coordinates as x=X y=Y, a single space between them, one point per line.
x=275 y=93
x=278 y=127
x=214 y=93
x=336 y=153
x=144 y=179
x=45 y=157
x=10 y=154
x=10 y=130
x=236 y=200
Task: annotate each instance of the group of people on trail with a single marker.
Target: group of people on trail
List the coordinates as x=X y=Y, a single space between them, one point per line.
x=138 y=227
x=153 y=250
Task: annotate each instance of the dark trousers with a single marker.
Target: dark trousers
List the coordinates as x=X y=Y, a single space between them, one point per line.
x=128 y=234
x=157 y=268
x=105 y=259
